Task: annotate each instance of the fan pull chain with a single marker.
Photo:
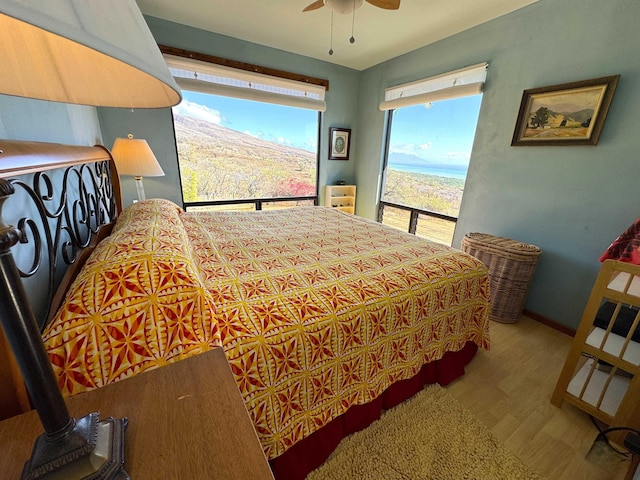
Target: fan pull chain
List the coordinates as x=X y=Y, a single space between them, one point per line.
x=353 y=22
x=331 y=37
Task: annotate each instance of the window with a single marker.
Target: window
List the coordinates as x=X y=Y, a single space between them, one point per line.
x=231 y=150
x=245 y=140
x=430 y=138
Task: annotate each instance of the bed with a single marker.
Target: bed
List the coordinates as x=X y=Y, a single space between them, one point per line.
x=325 y=318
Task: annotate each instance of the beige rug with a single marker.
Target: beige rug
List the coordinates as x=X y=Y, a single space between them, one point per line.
x=430 y=436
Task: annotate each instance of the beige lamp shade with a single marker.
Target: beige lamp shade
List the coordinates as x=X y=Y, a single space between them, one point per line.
x=88 y=52
x=133 y=156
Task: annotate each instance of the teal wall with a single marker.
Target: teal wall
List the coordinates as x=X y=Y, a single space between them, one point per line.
x=38 y=120
x=571 y=201
x=156 y=126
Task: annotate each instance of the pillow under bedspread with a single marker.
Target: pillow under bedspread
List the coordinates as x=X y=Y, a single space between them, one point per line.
x=138 y=303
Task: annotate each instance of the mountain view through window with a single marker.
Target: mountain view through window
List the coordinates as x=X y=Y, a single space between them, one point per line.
x=235 y=149
x=428 y=157
x=429 y=150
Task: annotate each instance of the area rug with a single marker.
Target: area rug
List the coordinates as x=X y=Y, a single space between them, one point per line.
x=428 y=437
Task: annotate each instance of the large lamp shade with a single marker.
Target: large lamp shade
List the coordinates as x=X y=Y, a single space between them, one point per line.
x=88 y=52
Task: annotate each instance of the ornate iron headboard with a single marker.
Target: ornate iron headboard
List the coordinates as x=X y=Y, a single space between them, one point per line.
x=62 y=197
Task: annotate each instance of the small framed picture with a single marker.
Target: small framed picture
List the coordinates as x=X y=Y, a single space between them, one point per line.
x=339 y=142
x=567 y=114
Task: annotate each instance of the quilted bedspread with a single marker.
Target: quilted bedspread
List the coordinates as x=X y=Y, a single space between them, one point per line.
x=138 y=303
x=317 y=310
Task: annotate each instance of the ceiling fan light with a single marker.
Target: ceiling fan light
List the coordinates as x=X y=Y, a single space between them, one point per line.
x=343 y=6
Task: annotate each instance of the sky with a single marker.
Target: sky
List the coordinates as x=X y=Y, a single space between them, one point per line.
x=564 y=102
x=440 y=132
x=295 y=127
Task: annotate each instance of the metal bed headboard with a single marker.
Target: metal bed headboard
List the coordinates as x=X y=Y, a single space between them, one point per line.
x=57 y=197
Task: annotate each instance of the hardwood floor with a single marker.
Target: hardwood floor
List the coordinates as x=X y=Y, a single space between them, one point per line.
x=509 y=389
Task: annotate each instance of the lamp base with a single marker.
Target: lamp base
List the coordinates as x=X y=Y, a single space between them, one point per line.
x=90 y=450
x=140 y=189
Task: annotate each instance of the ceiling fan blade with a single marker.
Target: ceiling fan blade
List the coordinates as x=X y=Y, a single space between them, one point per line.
x=386 y=4
x=314 y=6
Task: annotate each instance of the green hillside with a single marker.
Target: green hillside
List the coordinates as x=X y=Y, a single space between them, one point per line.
x=218 y=163
x=428 y=192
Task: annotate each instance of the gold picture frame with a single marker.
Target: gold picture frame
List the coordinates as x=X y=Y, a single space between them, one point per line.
x=566 y=114
x=339 y=143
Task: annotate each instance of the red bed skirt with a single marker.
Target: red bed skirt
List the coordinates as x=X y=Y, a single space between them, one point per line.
x=310 y=453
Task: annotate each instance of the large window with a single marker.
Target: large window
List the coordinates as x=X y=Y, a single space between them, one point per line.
x=231 y=149
x=246 y=139
x=428 y=152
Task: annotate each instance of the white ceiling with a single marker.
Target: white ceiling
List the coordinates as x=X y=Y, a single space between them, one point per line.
x=380 y=34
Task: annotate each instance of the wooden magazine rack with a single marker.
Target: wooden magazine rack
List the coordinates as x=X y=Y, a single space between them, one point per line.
x=601 y=373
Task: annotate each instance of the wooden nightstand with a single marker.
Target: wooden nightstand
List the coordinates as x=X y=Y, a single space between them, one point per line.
x=187 y=420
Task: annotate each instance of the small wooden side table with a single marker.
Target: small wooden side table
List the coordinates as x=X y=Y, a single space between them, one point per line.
x=187 y=420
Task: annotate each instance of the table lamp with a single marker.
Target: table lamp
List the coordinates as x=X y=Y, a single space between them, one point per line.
x=133 y=156
x=81 y=52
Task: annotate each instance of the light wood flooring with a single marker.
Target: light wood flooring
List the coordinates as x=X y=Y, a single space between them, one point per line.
x=509 y=387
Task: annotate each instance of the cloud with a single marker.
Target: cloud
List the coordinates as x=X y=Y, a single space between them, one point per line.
x=197 y=111
x=459 y=155
x=411 y=149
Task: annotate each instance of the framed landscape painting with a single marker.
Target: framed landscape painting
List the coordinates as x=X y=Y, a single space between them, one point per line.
x=567 y=114
x=339 y=143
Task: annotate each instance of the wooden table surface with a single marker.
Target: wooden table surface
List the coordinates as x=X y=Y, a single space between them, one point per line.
x=186 y=421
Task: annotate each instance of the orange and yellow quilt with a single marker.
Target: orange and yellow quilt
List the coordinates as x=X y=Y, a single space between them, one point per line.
x=317 y=310
x=138 y=303
x=320 y=310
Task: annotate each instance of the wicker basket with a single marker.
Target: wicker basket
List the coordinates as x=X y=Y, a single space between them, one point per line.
x=511 y=266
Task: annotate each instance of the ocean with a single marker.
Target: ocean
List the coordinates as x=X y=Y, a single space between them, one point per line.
x=439 y=171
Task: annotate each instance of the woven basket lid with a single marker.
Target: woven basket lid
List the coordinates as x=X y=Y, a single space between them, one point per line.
x=503 y=244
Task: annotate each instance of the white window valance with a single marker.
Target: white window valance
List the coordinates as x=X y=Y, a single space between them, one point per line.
x=458 y=83
x=204 y=77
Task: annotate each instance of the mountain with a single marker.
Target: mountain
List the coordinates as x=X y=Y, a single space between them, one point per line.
x=579 y=116
x=410 y=160
x=217 y=163
x=211 y=135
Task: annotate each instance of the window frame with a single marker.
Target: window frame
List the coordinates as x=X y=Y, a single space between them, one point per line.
x=256 y=70
x=414 y=212
x=257 y=202
x=447 y=86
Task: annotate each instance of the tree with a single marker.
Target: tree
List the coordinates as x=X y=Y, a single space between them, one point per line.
x=540 y=118
x=294 y=187
x=189 y=184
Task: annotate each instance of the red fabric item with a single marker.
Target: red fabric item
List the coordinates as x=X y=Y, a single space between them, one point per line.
x=311 y=452
x=625 y=247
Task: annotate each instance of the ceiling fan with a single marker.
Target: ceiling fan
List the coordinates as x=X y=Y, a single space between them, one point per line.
x=348 y=6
